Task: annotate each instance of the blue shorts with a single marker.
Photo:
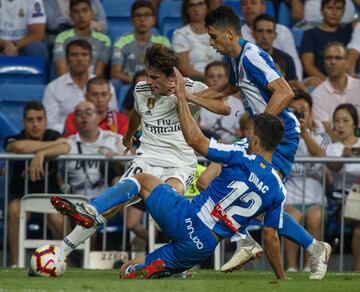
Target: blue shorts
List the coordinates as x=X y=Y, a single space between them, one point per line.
x=191 y=240
x=284 y=155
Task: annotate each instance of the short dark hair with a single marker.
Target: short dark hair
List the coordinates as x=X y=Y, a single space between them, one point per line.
x=97 y=81
x=301 y=94
x=33 y=105
x=224 y=16
x=265 y=17
x=336 y=44
x=184 y=15
x=76 y=2
x=217 y=63
x=269 y=129
x=142 y=3
x=324 y=2
x=79 y=43
x=351 y=109
x=161 y=58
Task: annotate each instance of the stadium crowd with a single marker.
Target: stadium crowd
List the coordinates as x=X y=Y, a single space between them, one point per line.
x=91 y=74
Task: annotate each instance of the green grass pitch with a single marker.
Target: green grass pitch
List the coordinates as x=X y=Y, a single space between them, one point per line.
x=202 y=280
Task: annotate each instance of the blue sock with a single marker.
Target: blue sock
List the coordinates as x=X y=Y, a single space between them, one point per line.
x=123 y=191
x=295 y=232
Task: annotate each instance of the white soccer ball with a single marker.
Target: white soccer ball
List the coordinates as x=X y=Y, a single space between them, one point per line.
x=48 y=261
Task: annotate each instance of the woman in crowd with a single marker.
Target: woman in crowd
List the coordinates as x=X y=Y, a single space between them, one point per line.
x=346 y=121
x=191 y=42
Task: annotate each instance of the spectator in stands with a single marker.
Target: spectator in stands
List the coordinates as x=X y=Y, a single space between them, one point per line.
x=98 y=92
x=215 y=125
x=284 y=40
x=264 y=33
x=309 y=192
x=354 y=50
x=129 y=50
x=33 y=139
x=337 y=88
x=88 y=177
x=309 y=11
x=58 y=18
x=22 y=28
x=129 y=98
x=346 y=119
x=315 y=39
x=191 y=42
x=82 y=14
x=64 y=93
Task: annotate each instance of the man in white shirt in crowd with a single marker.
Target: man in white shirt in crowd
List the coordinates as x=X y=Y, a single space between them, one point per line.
x=338 y=87
x=64 y=93
x=216 y=125
x=284 y=40
x=22 y=28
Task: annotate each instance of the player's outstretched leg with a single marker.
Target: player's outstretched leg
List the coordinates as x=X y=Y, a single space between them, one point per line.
x=247 y=249
x=87 y=215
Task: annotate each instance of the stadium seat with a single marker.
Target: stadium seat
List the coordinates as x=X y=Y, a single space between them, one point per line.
x=297 y=33
x=20 y=70
x=116 y=28
x=117 y=8
x=234 y=4
x=169 y=25
x=40 y=203
x=284 y=15
x=6 y=129
x=14 y=97
x=270 y=8
x=168 y=10
x=122 y=94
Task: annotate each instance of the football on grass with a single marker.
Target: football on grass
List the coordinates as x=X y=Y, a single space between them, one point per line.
x=48 y=261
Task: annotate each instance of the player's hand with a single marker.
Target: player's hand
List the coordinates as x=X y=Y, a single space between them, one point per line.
x=180 y=91
x=36 y=168
x=127 y=142
x=10 y=49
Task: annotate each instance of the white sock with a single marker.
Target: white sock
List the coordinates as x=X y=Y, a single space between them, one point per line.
x=312 y=248
x=244 y=241
x=75 y=238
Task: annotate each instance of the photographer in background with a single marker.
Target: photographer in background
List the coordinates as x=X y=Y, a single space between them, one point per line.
x=313 y=142
x=345 y=120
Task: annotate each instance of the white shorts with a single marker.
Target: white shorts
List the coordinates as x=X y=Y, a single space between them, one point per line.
x=184 y=174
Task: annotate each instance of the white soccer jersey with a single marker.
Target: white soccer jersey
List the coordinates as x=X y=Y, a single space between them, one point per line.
x=162 y=142
x=313 y=173
x=15 y=16
x=86 y=177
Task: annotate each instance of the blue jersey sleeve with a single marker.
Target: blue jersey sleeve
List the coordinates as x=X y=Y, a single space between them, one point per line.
x=260 y=67
x=274 y=215
x=228 y=154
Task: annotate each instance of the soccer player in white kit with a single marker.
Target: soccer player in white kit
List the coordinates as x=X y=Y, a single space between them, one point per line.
x=163 y=152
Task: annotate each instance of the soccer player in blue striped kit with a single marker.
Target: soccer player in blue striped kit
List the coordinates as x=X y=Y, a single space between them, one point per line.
x=254 y=75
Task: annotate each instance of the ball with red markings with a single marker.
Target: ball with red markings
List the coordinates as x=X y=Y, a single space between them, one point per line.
x=48 y=261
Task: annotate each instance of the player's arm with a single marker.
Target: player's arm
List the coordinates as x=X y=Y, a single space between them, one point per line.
x=212 y=171
x=281 y=96
x=36 y=32
x=219 y=91
x=219 y=106
x=192 y=133
x=134 y=123
x=272 y=248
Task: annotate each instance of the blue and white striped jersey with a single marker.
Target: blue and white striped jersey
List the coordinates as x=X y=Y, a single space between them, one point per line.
x=246 y=187
x=251 y=72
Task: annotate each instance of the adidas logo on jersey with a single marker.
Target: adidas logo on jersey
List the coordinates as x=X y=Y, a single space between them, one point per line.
x=148 y=113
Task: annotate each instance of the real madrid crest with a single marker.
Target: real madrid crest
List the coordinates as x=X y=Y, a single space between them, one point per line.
x=151 y=103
